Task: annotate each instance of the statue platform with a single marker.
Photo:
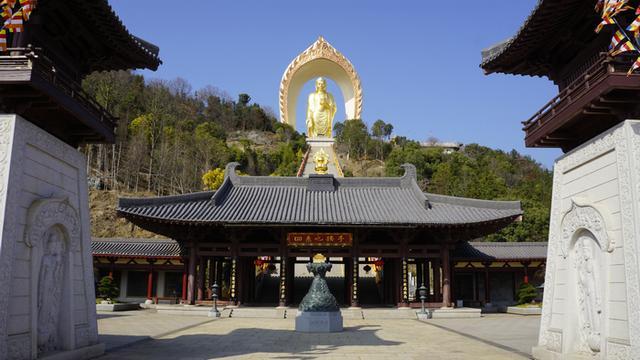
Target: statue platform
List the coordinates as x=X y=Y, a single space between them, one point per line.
x=319 y=321
x=326 y=144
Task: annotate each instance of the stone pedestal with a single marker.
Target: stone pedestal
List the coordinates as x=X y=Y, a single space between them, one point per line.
x=591 y=305
x=47 y=300
x=319 y=322
x=326 y=144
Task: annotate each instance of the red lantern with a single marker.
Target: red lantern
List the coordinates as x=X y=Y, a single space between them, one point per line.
x=378 y=264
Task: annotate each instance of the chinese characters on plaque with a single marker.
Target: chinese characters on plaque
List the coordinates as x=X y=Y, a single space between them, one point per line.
x=319 y=239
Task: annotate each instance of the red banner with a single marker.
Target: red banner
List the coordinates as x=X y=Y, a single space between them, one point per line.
x=320 y=239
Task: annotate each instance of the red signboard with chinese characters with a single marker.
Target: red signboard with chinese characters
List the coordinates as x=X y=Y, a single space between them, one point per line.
x=319 y=239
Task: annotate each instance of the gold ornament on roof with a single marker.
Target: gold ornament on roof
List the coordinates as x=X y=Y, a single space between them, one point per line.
x=321 y=158
x=319 y=258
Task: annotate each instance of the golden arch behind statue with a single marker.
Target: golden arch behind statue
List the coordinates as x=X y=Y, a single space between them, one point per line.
x=320 y=59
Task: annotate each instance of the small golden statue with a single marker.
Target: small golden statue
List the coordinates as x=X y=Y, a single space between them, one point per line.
x=321 y=158
x=321 y=110
x=319 y=258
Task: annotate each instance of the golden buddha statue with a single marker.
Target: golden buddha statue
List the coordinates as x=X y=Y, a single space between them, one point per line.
x=321 y=109
x=321 y=158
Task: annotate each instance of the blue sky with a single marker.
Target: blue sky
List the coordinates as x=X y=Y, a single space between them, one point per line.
x=419 y=64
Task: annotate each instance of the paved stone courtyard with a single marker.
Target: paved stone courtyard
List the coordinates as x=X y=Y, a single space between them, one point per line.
x=147 y=335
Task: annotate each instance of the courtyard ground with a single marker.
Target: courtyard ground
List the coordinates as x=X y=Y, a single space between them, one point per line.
x=148 y=335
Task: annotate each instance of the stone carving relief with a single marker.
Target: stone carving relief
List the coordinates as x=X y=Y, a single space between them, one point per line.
x=583 y=217
x=50 y=285
x=19 y=347
x=53 y=232
x=587 y=265
x=554 y=340
x=617 y=351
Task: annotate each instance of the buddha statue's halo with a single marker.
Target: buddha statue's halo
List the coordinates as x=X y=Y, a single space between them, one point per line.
x=319 y=60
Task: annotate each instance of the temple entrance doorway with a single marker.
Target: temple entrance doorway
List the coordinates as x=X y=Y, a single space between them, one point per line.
x=371 y=282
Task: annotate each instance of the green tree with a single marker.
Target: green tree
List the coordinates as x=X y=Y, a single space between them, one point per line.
x=353 y=137
x=107 y=288
x=526 y=293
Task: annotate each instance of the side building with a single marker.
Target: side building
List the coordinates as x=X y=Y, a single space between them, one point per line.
x=485 y=274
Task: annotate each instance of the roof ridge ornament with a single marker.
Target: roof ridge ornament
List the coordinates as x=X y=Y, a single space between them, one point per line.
x=410 y=180
x=230 y=178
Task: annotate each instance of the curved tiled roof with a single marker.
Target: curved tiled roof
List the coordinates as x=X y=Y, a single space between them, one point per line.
x=525 y=53
x=152 y=248
x=500 y=250
x=319 y=200
x=112 y=46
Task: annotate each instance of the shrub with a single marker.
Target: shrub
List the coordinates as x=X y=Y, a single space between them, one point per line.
x=526 y=293
x=107 y=289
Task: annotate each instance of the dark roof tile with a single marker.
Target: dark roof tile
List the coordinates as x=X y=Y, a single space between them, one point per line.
x=135 y=247
x=289 y=200
x=500 y=250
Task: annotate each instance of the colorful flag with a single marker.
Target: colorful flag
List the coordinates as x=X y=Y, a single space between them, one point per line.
x=616 y=40
x=9 y=3
x=612 y=8
x=605 y=21
x=638 y=10
x=609 y=7
x=3 y=40
x=634 y=25
x=27 y=7
x=635 y=65
x=627 y=46
x=5 y=12
x=15 y=24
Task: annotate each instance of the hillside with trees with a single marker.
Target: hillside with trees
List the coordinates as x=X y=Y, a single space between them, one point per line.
x=173 y=140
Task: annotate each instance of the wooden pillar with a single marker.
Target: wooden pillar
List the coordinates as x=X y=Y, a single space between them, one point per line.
x=233 y=281
x=526 y=271
x=150 y=284
x=291 y=265
x=185 y=271
x=200 y=278
x=282 y=302
x=446 y=277
x=184 y=284
x=404 y=283
x=191 y=278
x=437 y=289
x=487 y=287
x=112 y=266
x=355 y=273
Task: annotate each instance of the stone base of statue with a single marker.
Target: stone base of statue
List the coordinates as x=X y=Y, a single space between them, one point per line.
x=325 y=144
x=318 y=310
x=321 y=321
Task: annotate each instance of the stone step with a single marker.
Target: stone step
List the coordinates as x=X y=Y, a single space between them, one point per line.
x=267 y=313
x=389 y=313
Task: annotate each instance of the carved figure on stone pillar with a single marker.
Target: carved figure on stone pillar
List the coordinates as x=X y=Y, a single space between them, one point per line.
x=50 y=287
x=588 y=293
